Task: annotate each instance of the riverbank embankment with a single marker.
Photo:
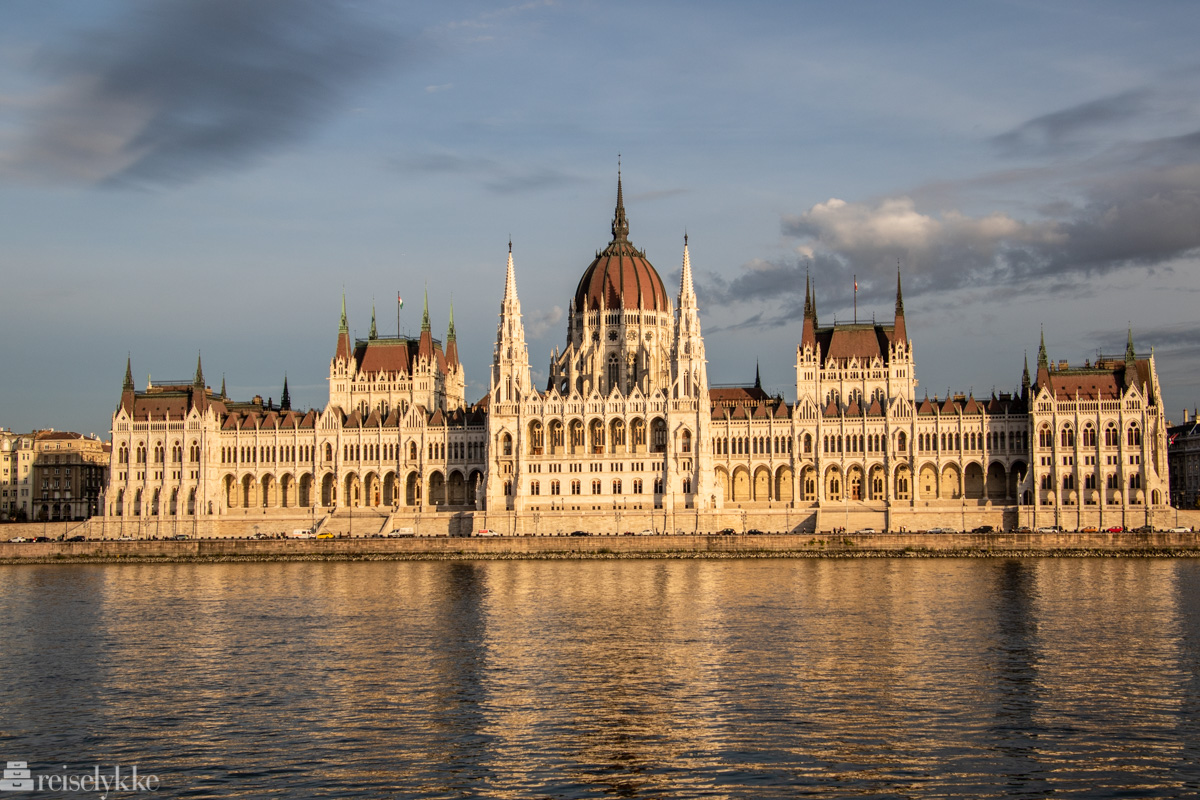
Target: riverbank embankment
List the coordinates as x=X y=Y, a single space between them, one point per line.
x=850 y=545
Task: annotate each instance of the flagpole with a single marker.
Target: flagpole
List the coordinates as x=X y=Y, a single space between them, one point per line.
x=399 y=305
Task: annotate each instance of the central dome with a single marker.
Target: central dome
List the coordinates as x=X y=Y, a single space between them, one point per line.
x=620 y=277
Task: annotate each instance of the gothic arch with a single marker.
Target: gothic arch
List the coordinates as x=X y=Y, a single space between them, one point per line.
x=783 y=484
x=437 y=489
x=456 y=489
x=973 y=481
x=722 y=480
x=741 y=485
x=762 y=485
x=951 y=488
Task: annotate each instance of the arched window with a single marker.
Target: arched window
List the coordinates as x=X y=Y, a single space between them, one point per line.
x=685 y=443
x=1089 y=436
x=1134 y=436
x=1067 y=437
x=613 y=372
x=1045 y=437
x=1111 y=437
x=506 y=444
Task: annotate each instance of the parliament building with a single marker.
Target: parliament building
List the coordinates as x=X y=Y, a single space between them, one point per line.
x=627 y=434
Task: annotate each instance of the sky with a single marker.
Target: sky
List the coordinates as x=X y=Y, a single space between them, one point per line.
x=207 y=178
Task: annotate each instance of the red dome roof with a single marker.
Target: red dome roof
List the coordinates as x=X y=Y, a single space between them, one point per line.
x=621 y=277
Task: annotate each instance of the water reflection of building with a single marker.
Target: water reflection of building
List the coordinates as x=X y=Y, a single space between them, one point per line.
x=628 y=433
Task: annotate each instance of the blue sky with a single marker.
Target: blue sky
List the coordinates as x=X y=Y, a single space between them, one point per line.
x=207 y=177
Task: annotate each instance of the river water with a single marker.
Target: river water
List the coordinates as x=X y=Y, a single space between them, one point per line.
x=908 y=678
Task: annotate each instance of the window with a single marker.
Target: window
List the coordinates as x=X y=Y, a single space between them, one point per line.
x=1068 y=437
x=595 y=487
x=535 y=487
x=1045 y=437
x=1134 y=436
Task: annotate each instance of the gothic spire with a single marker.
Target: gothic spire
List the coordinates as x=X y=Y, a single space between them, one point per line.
x=1130 y=354
x=343 y=340
x=1043 y=360
x=687 y=289
x=127 y=386
x=620 y=225
x=198 y=381
x=510 y=279
x=285 y=400
x=450 y=336
x=223 y=395
x=425 y=314
x=899 y=330
x=757 y=376
x=373 y=334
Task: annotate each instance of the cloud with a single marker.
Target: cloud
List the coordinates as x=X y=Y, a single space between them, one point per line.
x=1122 y=202
x=542 y=321
x=1069 y=127
x=188 y=87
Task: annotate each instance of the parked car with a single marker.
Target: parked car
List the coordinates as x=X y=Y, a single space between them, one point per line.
x=18 y=539
x=1179 y=529
x=1088 y=529
x=579 y=533
x=1049 y=529
x=984 y=529
x=1115 y=529
x=725 y=532
x=77 y=538
x=325 y=535
x=866 y=530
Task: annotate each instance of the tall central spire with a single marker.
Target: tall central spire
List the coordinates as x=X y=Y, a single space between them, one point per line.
x=620 y=225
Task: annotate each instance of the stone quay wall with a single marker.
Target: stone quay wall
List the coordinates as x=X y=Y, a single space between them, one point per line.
x=611 y=546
